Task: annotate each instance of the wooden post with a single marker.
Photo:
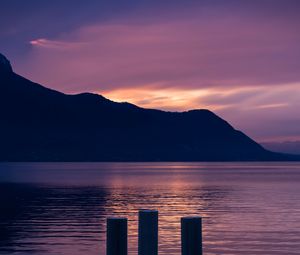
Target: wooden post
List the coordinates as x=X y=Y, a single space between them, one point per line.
x=116 y=236
x=148 y=232
x=191 y=236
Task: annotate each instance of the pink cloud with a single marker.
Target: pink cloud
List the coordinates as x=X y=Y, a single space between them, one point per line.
x=191 y=52
x=55 y=45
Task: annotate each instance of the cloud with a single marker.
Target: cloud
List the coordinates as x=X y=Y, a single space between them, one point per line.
x=270 y=115
x=56 y=45
x=165 y=98
x=192 y=52
x=266 y=113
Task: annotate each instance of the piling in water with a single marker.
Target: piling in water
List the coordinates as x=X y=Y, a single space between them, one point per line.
x=116 y=236
x=148 y=232
x=191 y=236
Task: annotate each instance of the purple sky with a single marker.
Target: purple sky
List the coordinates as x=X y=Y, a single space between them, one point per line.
x=240 y=59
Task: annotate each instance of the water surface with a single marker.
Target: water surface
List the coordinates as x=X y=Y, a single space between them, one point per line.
x=61 y=208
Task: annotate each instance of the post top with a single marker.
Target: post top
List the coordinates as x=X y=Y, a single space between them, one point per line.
x=191 y=218
x=148 y=211
x=116 y=218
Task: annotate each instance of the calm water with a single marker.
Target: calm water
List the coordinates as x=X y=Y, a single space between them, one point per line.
x=251 y=208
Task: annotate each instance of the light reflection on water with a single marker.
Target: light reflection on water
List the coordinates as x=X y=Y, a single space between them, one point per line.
x=61 y=208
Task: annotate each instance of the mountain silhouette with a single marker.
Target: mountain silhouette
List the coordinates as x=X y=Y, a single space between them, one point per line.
x=40 y=124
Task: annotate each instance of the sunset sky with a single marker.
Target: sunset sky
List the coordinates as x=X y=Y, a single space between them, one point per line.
x=238 y=58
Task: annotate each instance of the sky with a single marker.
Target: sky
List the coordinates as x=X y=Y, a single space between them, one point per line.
x=240 y=59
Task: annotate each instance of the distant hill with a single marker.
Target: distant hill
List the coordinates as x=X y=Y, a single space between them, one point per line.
x=291 y=147
x=40 y=124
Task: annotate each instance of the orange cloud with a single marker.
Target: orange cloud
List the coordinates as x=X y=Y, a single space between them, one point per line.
x=167 y=99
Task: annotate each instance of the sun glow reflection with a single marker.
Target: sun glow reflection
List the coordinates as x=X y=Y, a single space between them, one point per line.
x=173 y=199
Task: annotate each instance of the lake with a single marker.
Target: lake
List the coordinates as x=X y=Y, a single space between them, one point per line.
x=61 y=208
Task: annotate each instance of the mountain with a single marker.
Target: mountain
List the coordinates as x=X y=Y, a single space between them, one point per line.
x=40 y=124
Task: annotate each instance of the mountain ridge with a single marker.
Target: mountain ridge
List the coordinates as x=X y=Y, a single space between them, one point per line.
x=41 y=124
